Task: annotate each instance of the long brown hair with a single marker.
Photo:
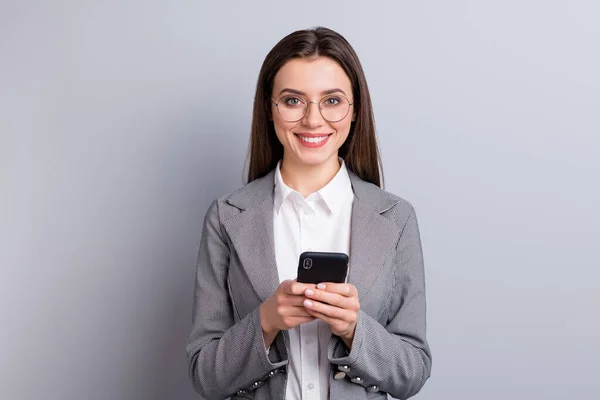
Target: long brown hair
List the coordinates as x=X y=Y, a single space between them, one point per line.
x=359 y=151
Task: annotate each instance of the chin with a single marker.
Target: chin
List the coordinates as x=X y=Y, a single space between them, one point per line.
x=315 y=159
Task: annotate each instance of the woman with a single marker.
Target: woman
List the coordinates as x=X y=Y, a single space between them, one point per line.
x=314 y=184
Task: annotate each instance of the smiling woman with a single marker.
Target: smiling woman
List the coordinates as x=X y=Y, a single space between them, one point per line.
x=312 y=64
x=302 y=128
x=314 y=182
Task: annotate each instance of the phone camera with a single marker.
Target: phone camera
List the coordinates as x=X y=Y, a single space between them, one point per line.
x=307 y=263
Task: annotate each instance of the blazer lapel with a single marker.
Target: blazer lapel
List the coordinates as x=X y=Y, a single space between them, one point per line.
x=373 y=237
x=251 y=232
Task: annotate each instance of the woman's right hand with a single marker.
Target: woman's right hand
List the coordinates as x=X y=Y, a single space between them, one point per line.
x=284 y=309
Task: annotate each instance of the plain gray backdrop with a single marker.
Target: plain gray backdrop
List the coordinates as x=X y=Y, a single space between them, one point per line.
x=120 y=122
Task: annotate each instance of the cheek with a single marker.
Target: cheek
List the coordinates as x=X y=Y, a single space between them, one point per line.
x=342 y=129
x=282 y=128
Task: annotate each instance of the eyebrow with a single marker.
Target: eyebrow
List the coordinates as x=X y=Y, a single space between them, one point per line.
x=323 y=93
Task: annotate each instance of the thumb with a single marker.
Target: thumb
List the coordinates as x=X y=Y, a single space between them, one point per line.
x=286 y=286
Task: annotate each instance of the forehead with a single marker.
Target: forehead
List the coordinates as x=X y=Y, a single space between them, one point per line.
x=312 y=76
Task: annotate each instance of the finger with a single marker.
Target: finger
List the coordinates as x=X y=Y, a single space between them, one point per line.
x=285 y=285
x=344 y=289
x=293 y=311
x=327 y=319
x=292 y=300
x=297 y=288
x=330 y=311
x=333 y=299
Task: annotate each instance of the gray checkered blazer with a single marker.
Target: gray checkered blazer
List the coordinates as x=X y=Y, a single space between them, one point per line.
x=237 y=271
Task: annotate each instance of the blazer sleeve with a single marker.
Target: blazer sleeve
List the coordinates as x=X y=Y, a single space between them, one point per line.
x=224 y=357
x=394 y=358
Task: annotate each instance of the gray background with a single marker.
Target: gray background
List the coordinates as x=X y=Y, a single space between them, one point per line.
x=121 y=120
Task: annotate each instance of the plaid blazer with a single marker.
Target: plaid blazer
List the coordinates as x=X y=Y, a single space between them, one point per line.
x=237 y=271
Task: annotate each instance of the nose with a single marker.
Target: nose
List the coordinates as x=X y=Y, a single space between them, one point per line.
x=313 y=117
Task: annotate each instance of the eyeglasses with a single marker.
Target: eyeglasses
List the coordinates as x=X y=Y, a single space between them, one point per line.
x=333 y=107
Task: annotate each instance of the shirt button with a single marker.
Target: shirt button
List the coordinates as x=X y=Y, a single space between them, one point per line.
x=308 y=341
x=307 y=212
x=310 y=386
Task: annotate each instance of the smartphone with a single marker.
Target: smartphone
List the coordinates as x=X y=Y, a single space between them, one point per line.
x=317 y=266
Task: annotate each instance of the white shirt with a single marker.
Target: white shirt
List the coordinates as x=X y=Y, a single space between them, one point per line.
x=319 y=222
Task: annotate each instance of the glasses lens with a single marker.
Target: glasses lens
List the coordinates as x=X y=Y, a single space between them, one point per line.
x=291 y=108
x=334 y=108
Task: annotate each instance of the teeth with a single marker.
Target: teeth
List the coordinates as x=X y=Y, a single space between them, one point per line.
x=313 y=139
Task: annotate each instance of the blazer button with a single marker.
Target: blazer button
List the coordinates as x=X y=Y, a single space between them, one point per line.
x=338 y=376
x=257 y=384
x=344 y=368
x=241 y=391
x=357 y=379
x=373 y=388
x=272 y=373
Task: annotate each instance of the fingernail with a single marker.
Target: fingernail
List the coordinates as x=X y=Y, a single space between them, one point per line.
x=321 y=286
x=308 y=303
x=309 y=292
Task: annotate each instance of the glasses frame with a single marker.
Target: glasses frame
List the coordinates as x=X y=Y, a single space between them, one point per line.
x=308 y=103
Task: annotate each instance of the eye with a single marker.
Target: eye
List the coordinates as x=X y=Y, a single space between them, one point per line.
x=332 y=101
x=293 y=101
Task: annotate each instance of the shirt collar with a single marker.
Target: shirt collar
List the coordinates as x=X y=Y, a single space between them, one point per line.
x=337 y=190
x=334 y=194
x=282 y=191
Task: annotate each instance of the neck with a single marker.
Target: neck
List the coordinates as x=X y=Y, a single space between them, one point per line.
x=307 y=179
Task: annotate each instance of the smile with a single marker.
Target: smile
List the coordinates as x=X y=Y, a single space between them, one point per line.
x=313 y=139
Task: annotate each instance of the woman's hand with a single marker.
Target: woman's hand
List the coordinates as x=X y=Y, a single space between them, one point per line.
x=338 y=305
x=284 y=309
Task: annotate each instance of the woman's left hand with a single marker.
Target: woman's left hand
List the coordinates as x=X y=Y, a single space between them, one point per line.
x=338 y=305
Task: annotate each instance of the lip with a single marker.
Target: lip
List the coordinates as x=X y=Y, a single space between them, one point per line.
x=312 y=135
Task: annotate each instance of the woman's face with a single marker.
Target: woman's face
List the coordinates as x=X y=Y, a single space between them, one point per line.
x=312 y=140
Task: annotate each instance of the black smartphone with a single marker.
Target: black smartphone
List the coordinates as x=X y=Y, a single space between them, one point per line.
x=317 y=266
